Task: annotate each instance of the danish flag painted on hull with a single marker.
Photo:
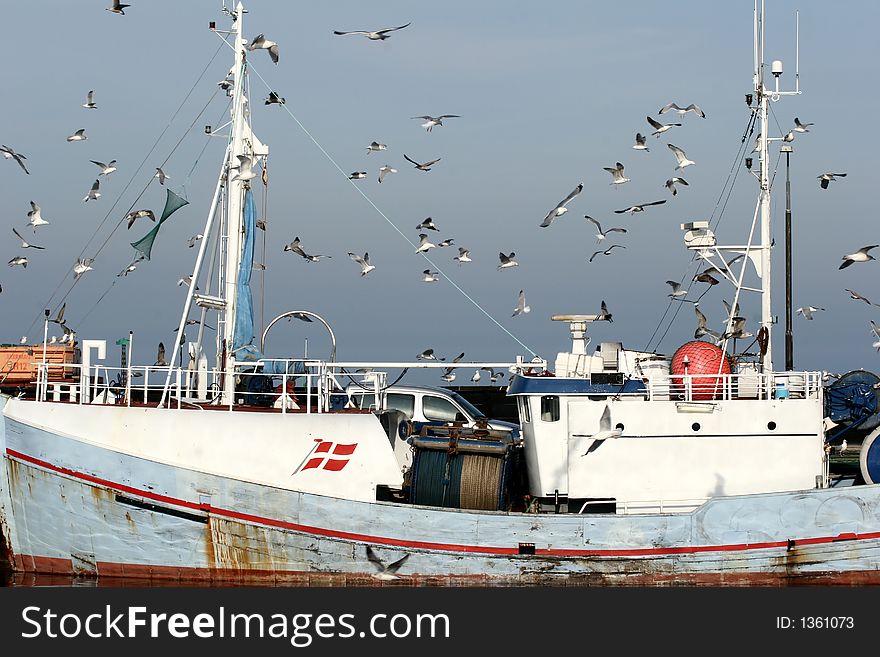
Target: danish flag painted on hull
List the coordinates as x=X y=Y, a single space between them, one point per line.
x=325 y=455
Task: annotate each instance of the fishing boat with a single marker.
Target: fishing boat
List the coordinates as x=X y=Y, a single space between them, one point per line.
x=628 y=467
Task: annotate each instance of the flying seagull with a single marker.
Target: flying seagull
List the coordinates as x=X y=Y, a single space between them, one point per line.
x=876 y=330
x=617 y=177
x=429 y=276
x=447 y=242
x=660 y=128
x=825 y=178
x=59 y=318
x=604 y=315
x=606 y=251
x=681 y=111
x=602 y=234
x=421 y=167
x=261 y=42
x=245 y=168
x=676 y=289
x=161 y=175
x=640 y=144
x=431 y=121
x=24 y=243
x=160 y=356
x=106 y=169
x=807 y=311
x=378 y=35
x=357 y=175
x=134 y=215
x=125 y=272
x=427 y=354
x=18 y=260
x=861 y=255
x=93 y=192
x=35 y=218
x=384 y=171
x=424 y=244
x=801 y=127
x=79 y=135
x=464 y=255
x=737 y=329
x=560 y=208
x=639 y=208
x=364 y=262
x=191 y=242
x=706 y=277
x=117 y=8
x=605 y=431
x=10 y=154
x=90 y=100
x=475 y=377
x=683 y=160
x=507 y=261
x=81 y=267
x=376 y=146
x=274 y=99
x=427 y=224
x=701 y=326
x=670 y=184
x=521 y=307
x=855 y=296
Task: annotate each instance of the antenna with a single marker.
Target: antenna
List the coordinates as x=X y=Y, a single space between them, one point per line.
x=797 y=51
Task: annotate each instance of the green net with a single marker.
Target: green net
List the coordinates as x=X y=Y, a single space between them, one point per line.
x=173 y=202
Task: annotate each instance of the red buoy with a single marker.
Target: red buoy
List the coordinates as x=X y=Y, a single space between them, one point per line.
x=698 y=358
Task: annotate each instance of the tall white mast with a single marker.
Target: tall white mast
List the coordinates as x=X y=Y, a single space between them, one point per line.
x=764 y=198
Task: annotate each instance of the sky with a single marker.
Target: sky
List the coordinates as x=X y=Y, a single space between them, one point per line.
x=548 y=94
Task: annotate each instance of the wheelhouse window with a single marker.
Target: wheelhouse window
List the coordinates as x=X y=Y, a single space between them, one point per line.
x=396 y=401
x=524 y=412
x=550 y=408
x=439 y=409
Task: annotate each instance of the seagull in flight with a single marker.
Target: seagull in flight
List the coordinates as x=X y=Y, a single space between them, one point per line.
x=447 y=242
x=376 y=146
x=35 y=218
x=807 y=311
x=424 y=244
x=134 y=215
x=161 y=175
x=24 y=243
x=677 y=291
x=737 y=329
x=701 y=326
x=560 y=208
x=90 y=100
x=81 y=267
x=521 y=307
x=364 y=262
x=260 y=42
x=93 y=192
x=377 y=35
x=640 y=144
x=274 y=99
x=660 y=128
x=876 y=330
x=683 y=160
x=191 y=242
x=429 y=276
x=106 y=169
x=431 y=121
x=160 y=356
x=639 y=208
x=427 y=224
x=681 y=111
x=295 y=247
x=825 y=178
x=384 y=171
x=606 y=251
x=427 y=354
x=706 y=277
x=617 y=177
x=421 y=166
x=357 y=175
x=117 y=8
x=246 y=168
x=604 y=315
x=464 y=255
x=604 y=433
x=861 y=255
x=79 y=135
x=670 y=184
x=507 y=261
x=855 y=296
x=18 y=260
x=801 y=127
x=10 y=154
x=602 y=234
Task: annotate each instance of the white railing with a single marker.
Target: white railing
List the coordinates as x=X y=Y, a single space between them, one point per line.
x=722 y=387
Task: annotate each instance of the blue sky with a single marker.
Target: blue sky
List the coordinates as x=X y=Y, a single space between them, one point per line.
x=548 y=96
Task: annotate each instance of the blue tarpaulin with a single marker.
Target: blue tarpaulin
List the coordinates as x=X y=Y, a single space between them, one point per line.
x=243 y=337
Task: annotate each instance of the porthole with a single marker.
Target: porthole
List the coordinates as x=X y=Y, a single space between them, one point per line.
x=695 y=426
x=619 y=425
x=771 y=425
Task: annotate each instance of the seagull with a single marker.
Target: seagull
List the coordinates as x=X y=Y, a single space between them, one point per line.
x=378 y=35
x=364 y=262
x=421 y=167
x=161 y=175
x=23 y=340
x=427 y=354
x=448 y=375
x=521 y=307
x=560 y=208
x=10 y=154
x=670 y=184
x=194 y=322
x=18 y=260
x=826 y=178
x=59 y=318
x=191 y=242
x=464 y=255
x=507 y=261
x=90 y=102
x=807 y=311
x=186 y=280
x=757 y=143
x=639 y=208
x=876 y=330
x=706 y=277
x=681 y=111
x=93 y=192
x=106 y=169
x=357 y=175
x=602 y=234
x=737 y=329
x=859 y=256
x=261 y=42
x=424 y=244
x=427 y=224
x=81 y=267
x=385 y=573
x=731 y=312
x=683 y=160
x=245 y=168
x=226 y=84
x=127 y=270
x=134 y=215
x=431 y=121
x=855 y=296
x=261 y=224
x=676 y=289
x=274 y=99
x=117 y=8
x=34 y=217
x=605 y=431
x=385 y=170
x=789 y=137
x=617 y=177
x=701 y=326
x=24 y=243
x=376 y=146
x=801 y=127
x=475 y=377
x=660 y=128
x=160 y=356
x=606 y=251
x=640 y=142
x=604 y=315
x=446 y=242
x=429 y=276
x=79 y=135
